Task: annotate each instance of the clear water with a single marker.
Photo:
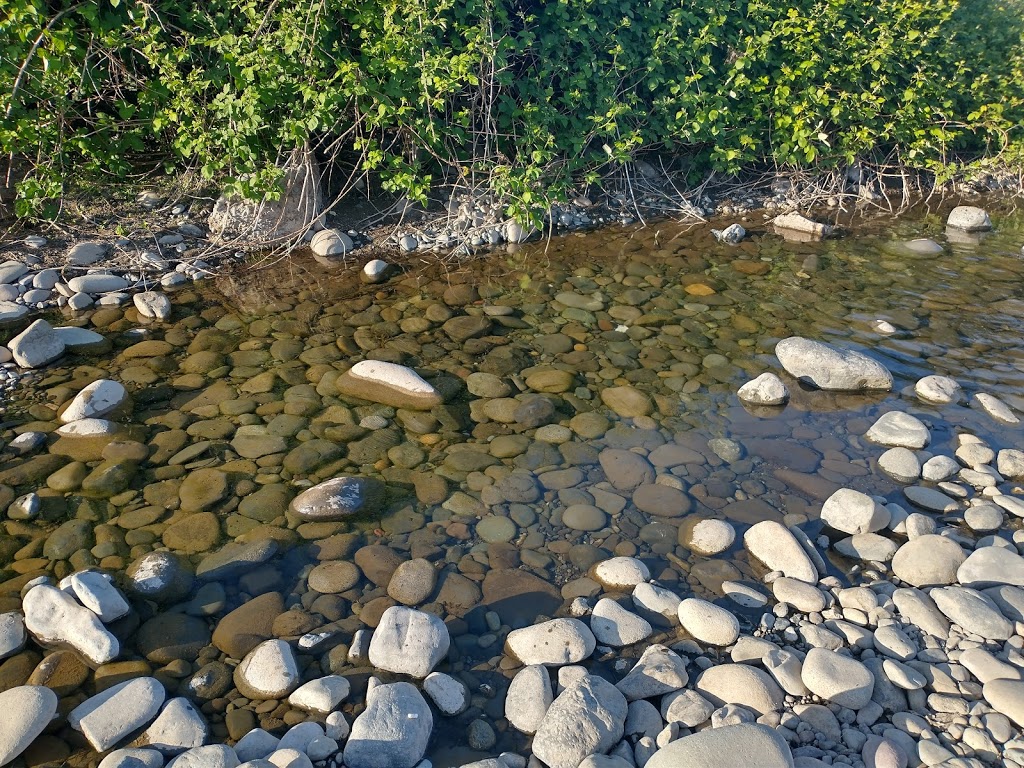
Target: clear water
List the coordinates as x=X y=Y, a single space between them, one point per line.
x=683 y=319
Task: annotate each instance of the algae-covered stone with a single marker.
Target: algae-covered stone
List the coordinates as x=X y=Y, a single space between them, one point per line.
x=202 y=488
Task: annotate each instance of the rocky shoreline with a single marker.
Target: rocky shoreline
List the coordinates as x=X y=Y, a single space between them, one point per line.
x=303 y=642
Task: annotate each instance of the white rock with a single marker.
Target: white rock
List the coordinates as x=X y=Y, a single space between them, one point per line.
x=1011 y=504
x=409 y=642
x=390 y=383
x=27 y=711
x=375 y=270
x=930 y=499
x=969 y=218
x=393 y=730
x=710 y=537
x=805 y=597
x=615 y=626
x=837 y=678
x=899 y=429
x=939 y=389
x=97 y=399
x=621 y=573
x=256 y=744
x=707 y=622
x=1007 y=697
x=89 y=428
x=109 y=716
x=974 y=611
x=741 y=684
x=928 y=561
x=829 y=368
x=81 y=339
x=901 y=465
x=268 y=671
x=56 y=619
x=766 y=389
x=132 y=757
x=851 y=511
x=97 y=283
x=786 y=668
x=153 y=304
x=36 y=346
x=921 y=611
x=290 y=758
x=1010 y=463
x=774 y=545
x=552 y=643
x=939 y=468
x=12 y=635
x=992 y=405
x=448 y=694
x=991 y=566
x=336 y=726
x=743 y=594
x=658 y=671
x=299 y=736
x=903 y=676
x=87 y=253
x=177 y=728
x=867 y=546
x=321 y=695
x=96 y=593
x=331 y=242
x=747 y=744
x=210 y=756
x=686 y=707
x=587 y=718
x=528 y=698
x=656 y=603
x=798 y=223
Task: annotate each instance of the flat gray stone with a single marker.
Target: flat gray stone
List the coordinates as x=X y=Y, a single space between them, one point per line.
x=930 y=499
x=658 y=671
x=97 y=283
x=990 y=567
x=929 y=560
x=107 y=717
x=973 y=611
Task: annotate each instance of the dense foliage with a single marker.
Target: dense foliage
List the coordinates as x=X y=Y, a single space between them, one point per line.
x=524 y=96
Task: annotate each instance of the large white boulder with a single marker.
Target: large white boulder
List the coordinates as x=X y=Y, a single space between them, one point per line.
x=832 y=369
x=587 y=718
x=409 y=642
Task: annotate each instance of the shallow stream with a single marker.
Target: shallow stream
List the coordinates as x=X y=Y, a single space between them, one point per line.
x=501 y=491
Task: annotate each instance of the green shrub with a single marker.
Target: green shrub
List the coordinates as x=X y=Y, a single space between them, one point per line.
x=523 y=96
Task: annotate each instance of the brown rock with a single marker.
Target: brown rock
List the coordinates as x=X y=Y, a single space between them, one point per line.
x=248 y=625
x=118 y=671
x=196 y=533
x=661 y=500
x=519 y=597
x=457 y=594
x=378 y=563
x=62 y=671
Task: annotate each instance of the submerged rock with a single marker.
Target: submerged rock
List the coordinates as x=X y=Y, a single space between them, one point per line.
x=337 y=499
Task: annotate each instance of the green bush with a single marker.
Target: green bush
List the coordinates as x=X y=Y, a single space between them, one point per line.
x=523 y=96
